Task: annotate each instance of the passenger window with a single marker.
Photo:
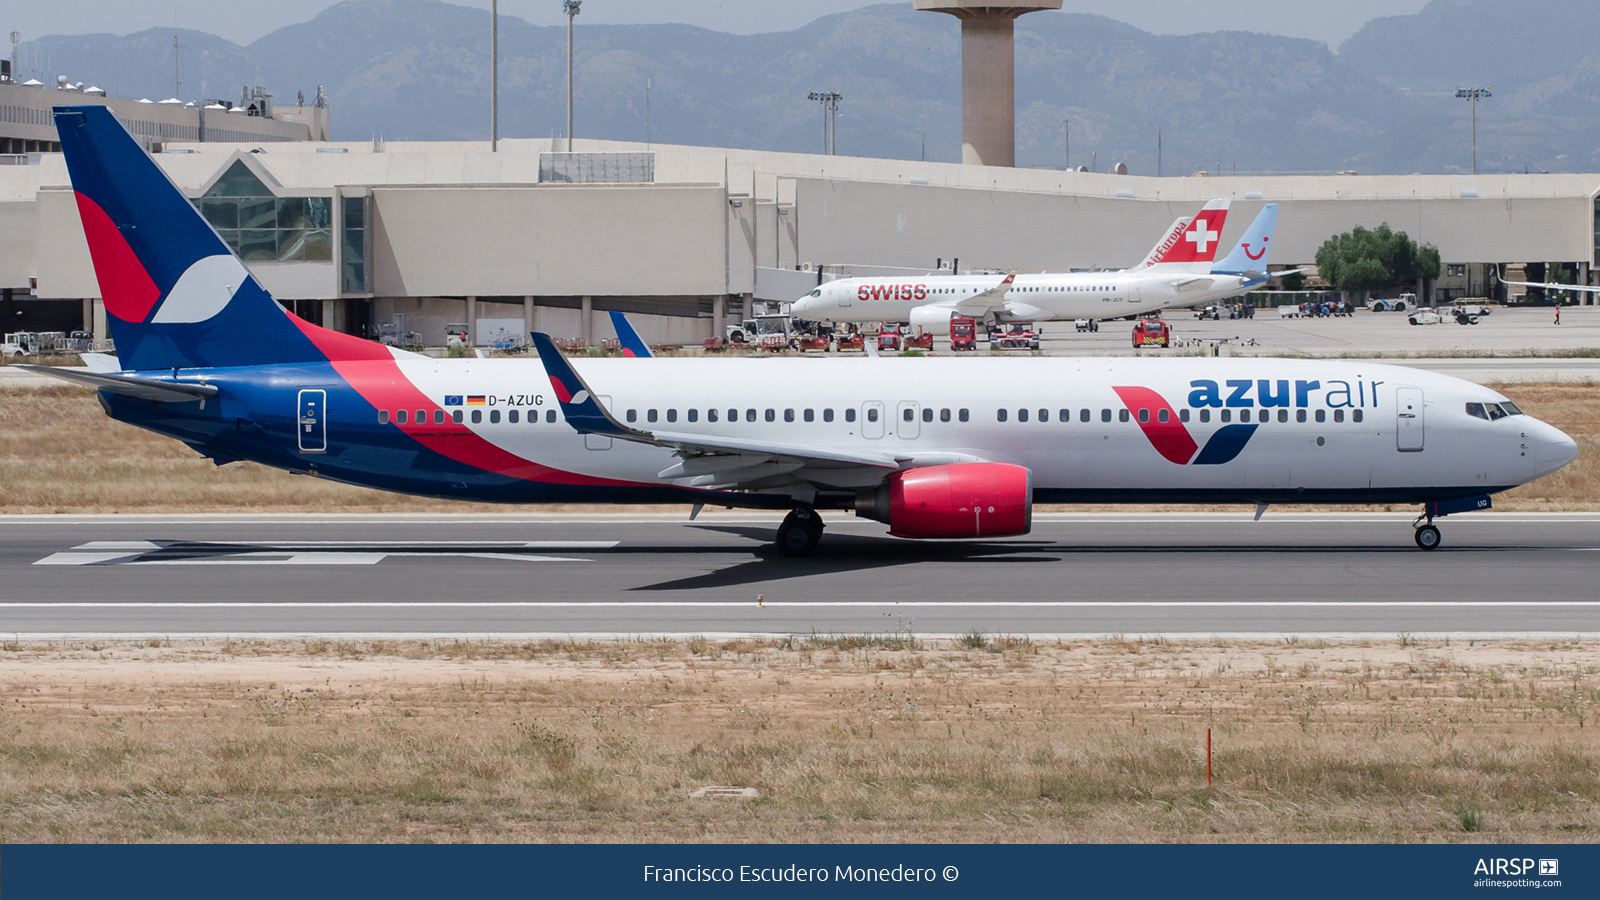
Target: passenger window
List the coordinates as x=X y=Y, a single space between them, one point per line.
x=1163 y=416
x=1144 y=416
x=1338 y=415
x=1476 y=409
x=1299 y=415
x=672 y=415
x=788 y=415
x=944 y=415
x=963 y=415
x=422 y=417
x=477 y=416
x=1356 y=415
x=872 y=414
x=827 y=415
x=1283 y=415
x=1227 y=415
x=1083 y=415
x=694 y=415
x=650 y=415
x=849 y=415
x=513 y=417
x=1322 y=415
x=455 y=416
x=927 y=414
x=772 y=415
x=1123 y=415
x=383 y=417
x=1064 y=416
x=1044 y=415
x=711 y=415
x=549 y=416
x=749 y=415
x=810 y=415
x=1022 y=415
x=1183 y=414
x=1105 y=415
x=494 y=417
x=1000 y=415
x=633 y=415
x=1205 y=415
x=908 y=414
x=1244 y=415
x=733 y=416
x=438 y=416
x=400 y=416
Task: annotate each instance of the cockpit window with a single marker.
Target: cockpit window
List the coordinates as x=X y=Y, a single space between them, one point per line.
x=1511 y=408
x=1494 y=410
x=1476 y=409
x=816 y=293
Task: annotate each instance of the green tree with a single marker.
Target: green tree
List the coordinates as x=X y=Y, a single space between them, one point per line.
x=1366 y=260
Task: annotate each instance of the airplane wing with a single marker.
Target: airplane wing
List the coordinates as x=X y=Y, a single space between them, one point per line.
x=707 y=461
x=131 y=386
x=1551 y=287
x=992 y=300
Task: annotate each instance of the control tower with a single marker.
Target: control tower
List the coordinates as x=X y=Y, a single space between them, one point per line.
x=988 y=75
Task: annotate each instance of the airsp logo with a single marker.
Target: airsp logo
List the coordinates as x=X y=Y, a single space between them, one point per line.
x=1513 y=866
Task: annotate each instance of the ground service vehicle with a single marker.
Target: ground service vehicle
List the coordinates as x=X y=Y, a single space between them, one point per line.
x=1086 y=325
x=963 y=333
x=936 y=448
x=769 y=332
x=1014 y=336
x=1151 y=333
x=1424 y=317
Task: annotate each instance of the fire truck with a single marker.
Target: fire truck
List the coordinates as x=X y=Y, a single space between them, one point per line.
x=1152 y=333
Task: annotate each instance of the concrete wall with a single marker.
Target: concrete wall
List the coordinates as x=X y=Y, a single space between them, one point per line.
x=550 y=240
x=428 y=316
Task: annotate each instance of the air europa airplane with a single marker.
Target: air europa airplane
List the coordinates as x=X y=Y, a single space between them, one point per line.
x=936 y=448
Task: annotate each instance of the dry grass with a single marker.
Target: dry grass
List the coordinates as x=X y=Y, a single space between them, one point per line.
x=60 y=453
x=846 y=740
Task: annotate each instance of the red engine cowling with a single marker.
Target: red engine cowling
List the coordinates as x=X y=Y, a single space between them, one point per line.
x=965 y=500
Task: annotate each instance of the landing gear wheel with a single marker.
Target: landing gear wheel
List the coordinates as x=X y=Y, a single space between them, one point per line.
x=799 y=533
x=1428 y=537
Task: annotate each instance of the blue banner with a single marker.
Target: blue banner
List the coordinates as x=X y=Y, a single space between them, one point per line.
x=1169 y=872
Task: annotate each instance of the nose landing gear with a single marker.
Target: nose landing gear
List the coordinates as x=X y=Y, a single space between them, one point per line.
x=799 y=533
x=1428 y=537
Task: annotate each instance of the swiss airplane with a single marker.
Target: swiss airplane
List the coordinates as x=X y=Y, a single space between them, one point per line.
x=1179 y=271
x=935 y=448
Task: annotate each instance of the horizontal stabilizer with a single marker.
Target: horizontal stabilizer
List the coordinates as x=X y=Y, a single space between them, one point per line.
x=130 y=386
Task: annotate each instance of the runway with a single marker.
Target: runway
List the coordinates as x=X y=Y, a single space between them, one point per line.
x=620 y=576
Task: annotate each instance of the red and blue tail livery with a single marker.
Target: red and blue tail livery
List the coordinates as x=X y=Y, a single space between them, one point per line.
x=933 y=447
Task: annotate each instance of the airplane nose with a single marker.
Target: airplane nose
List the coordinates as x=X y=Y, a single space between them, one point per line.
x=1554 y=449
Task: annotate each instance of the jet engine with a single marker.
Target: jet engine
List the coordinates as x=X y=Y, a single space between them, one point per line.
x=933 y=319
x=965 y=500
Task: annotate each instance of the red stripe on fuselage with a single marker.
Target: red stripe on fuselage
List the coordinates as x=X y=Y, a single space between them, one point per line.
x=1169 y=438
x=372 y=371
x=129 y=291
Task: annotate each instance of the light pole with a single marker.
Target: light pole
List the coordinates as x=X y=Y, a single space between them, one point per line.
x=570 y=7
x=494 y=76
x=1473 y=94
x=830 y=111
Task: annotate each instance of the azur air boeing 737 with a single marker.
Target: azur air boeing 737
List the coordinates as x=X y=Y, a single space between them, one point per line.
x=935 y=448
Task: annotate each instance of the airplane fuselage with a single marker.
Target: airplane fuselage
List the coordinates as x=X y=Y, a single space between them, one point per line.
x=1037 y=297
x=1109 y=430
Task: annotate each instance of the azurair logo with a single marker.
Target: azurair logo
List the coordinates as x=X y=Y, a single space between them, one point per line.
x=1171 y=438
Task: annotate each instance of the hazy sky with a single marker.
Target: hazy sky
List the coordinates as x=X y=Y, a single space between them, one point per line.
x=243 y=21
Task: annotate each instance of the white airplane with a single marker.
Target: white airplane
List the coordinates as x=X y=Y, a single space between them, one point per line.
x=935 y=448
x=1178 y=272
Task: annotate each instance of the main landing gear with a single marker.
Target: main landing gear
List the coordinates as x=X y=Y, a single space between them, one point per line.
x=1428 y=537
x=800 y=532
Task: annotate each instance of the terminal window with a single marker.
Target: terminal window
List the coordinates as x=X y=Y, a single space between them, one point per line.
x=261 y=227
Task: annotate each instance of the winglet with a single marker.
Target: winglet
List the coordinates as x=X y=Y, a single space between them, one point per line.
x=632 y=344
x=578 y=404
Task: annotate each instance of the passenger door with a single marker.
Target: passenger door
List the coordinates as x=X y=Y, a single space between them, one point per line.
x=1410 y=424
x=312 y=421
x=910 y=426
x=872 y=419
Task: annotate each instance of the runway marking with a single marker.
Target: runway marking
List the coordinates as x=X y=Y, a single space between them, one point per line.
x=821 y=604
x=303 y=553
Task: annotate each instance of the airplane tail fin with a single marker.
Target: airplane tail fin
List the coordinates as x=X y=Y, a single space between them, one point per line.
x=1196 y=245
x=632 y=344
x=1167 y=240
x=1254 y=248
x=176 y=296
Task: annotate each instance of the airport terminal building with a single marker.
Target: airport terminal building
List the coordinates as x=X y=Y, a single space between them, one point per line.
x=422 y=236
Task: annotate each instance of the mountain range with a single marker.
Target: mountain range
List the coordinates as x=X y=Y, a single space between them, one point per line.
x=1383 y=103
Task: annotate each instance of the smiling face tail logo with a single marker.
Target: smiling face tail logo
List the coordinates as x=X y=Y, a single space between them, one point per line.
x=1256 y=256
x=1170 y=438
